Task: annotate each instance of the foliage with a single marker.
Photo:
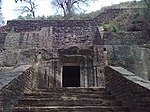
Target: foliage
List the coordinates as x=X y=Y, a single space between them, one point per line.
x=130 y=21
x=19 y=0
x=54 y=17
x=27 y=17
x=147 y=4
x=110 y=27
x=41 y=18
x=2 y=22
x=129 y=4
x=120 y=23
x=113 y=29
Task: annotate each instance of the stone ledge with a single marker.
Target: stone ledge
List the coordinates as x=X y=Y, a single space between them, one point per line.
x=132 y=77
x=131 y=90
x=7 y=77
x=13 y=84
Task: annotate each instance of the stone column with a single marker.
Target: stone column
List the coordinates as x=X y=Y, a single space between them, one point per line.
x=85 y=72
x=144 y=68
x=98 y=63
x=36 y=71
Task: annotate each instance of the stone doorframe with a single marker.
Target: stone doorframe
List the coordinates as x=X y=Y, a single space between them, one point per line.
x=78 y=57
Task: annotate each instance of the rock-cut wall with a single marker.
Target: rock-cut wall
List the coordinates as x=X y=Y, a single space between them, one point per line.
x=13 y=84
x=23 y=48
x=129 y=50
x=30 y=25
x=131 y=90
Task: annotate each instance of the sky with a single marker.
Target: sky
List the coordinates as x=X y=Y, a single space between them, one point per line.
x=9 y=7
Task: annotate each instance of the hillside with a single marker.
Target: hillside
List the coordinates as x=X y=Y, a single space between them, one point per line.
x=85 y=16
x=128 y=21
x=132 y=20
x=130 y=4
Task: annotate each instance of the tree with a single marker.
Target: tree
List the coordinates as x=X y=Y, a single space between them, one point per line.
x=30 y=7
x=19 y=0
x=147 y=3
x=2 y=22
x=70 y=6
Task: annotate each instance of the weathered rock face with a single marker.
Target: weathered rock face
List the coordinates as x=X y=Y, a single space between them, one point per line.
x=108 y=15
x=57 y=46
x=82 y=46
x=23 y=48
x=129 y=50
x=36 y=25
x=66 y=37
x=2 y=40
x=71 y=42
x=36 y=39
x=50 y=46
x=125 y=38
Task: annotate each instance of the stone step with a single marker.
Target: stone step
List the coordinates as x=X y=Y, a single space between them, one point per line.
x=71 y=109
x=69 y=95
x=53 y=92
x=60 y=95
x=73 y=90
x=68 y=102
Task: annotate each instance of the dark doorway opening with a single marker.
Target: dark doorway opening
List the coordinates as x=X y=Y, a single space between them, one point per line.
x=71 y=76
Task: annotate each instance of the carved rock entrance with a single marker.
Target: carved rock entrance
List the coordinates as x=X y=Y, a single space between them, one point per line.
x=71 y=76
x=74 y=67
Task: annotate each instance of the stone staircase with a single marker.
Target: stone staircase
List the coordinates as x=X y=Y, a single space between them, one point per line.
x=69 y=100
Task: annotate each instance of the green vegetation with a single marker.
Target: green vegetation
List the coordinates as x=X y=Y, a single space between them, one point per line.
x=130 y=4
x=83 y=16
x=131 y=20
x=128 y=21
x=147 y=5
x=30 y=17
x=110 y=27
